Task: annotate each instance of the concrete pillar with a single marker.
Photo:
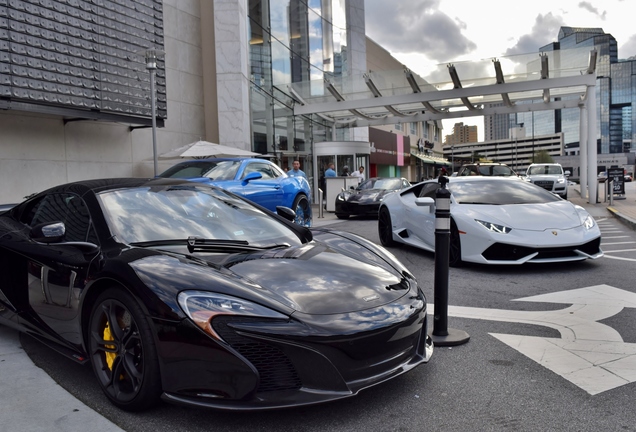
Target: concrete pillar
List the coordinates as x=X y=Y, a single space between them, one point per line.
x=591 y=143
x=583 y=150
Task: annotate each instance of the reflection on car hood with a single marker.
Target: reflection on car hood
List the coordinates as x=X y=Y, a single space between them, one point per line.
x=532 y=217
x=318 y=279
x=333 y=275
x=366 y=194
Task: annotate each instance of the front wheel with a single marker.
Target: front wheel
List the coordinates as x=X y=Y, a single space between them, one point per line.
x=303 y=211
x=385 y=229
x=122 y=351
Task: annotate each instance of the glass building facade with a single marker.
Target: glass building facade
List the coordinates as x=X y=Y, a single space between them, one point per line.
x=292 y=41
x=615 y=95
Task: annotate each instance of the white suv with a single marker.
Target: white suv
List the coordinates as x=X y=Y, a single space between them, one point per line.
x=549 y=176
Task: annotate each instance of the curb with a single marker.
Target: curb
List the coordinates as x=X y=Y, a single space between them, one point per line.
x=625 y=219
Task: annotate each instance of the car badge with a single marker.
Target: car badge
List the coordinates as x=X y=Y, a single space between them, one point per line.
x=555 y=233
x=370 y=298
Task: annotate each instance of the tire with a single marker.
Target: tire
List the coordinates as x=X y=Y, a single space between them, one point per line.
x=342 y=216
x=123 y=356
x=455 y=247
x=303 y=211
x=385 y=229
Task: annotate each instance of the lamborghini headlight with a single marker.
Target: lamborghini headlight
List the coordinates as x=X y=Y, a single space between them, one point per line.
x=493 y=227
x=589 y=222
x=340 y=197
x=202 y=306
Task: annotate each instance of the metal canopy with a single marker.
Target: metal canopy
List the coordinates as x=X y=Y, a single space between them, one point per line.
x=522 y=83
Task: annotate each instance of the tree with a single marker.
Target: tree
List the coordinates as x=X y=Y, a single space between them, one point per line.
x=542 y=156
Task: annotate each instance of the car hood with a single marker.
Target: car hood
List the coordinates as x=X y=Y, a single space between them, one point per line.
x=531 y=217
x=545 y=176
x=335 y=274
x=366 y=194
x=317 y=278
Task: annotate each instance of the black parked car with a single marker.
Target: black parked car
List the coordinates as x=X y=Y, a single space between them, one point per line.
x=183 y=291
x=365 y=199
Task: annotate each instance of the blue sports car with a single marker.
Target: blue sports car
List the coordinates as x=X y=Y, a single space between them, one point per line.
x=258 y=180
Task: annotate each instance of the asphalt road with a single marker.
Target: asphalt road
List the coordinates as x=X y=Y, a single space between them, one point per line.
x=482 y=385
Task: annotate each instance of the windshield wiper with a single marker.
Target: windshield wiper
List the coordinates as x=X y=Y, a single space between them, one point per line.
x=476 y=202
x=155 y=243
x=196 y=244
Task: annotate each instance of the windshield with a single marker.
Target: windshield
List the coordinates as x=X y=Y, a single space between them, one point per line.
x=214 y=170
x=499 y=192
x=163 y=213
x=381 y=183
x=545 y=169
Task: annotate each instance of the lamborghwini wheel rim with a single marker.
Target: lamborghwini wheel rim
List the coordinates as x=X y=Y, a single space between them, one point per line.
x=117 y=350
x=385 y=231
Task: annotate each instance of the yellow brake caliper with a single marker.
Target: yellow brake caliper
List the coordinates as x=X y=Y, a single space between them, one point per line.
x=110 y=357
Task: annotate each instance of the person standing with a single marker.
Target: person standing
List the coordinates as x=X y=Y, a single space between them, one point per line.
x=330 y=172
x=296 y=171
x=359 y=174
x=345 y=171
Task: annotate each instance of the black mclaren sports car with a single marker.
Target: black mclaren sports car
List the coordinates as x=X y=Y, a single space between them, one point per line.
x=365 y=199
x=185 y=292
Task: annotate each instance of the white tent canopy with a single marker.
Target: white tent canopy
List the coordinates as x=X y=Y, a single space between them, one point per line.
x=203 y=149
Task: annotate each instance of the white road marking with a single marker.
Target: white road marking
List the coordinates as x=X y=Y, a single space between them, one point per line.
x=620 y=250
x=619 y=258
x=615 y=243
x=615 y=237
x=589 y=354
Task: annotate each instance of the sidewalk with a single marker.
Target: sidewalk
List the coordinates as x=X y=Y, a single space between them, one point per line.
x=31 y=400
x=622 y=209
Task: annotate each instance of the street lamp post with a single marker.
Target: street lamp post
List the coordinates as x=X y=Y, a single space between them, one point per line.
x=151 y=55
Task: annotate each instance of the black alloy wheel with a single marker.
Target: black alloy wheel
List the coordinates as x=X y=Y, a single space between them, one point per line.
x=385 y=229
x=122 y=351
x=302 y=210
x=455 y=247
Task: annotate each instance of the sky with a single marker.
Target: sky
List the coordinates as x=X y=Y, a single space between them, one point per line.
x=422 y=34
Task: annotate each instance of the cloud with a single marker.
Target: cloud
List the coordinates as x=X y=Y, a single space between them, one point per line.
x=588 y=7
x=544 y=31
x=416 y=26
x=628 y=49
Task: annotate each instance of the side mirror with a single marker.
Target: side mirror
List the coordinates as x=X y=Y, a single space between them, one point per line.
x=426 y=202
x=251 y=176
x=48 y=232
x=286 y=212
x=567 y=173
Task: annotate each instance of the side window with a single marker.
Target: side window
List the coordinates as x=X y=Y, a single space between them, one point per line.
x=429 y=189
x=262 y=168
x=67 y=208
x=276 y=171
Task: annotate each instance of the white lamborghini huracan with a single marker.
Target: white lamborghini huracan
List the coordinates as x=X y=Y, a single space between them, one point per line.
x=493 y=221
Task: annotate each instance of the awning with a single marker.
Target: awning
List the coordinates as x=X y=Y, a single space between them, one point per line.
x=520 y=83
x=432 y=160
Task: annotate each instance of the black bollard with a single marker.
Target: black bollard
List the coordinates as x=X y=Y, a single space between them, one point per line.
x=442 y=335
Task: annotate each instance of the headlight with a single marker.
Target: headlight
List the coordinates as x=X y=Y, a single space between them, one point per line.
x=202 y=306
x=494 y=227
x=340 y=197
x=589 y=222
x=561 y=180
